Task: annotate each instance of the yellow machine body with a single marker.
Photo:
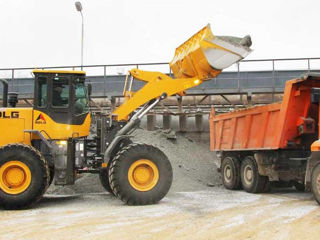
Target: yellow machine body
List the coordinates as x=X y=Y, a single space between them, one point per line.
x=15 y=124
x=60 y=131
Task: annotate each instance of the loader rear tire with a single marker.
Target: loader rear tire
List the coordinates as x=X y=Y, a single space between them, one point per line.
x=24 y=176
x=251 y=180
x=140 y=174
x=315 y=182
x=230 y=170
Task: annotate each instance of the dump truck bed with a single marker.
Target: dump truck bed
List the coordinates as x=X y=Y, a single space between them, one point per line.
x=274 y=126
x=245 y=129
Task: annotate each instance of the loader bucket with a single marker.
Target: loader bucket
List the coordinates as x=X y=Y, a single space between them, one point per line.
x=205 y=55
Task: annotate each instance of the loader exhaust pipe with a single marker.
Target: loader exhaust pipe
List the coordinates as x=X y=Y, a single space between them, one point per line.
x=5 y=93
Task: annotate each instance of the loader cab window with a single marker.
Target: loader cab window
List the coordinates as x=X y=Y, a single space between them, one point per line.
x=60 y=92
x=81 y=100
x=42 y=92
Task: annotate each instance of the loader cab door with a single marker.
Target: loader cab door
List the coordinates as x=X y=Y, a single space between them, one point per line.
x=62 y=96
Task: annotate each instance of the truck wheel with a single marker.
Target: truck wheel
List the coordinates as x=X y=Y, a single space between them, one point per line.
x=140 y=174
x=230 y=170
x=251 y=180
x=24 y=176
x=315 y=182
x=104 y=179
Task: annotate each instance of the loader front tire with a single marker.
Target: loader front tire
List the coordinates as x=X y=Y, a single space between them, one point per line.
x=24 y=176
x=140 y=174
x=104 y=179
x=51 y=171
x=104 y=172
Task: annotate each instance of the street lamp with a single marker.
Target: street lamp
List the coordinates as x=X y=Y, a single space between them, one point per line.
x=79 y=9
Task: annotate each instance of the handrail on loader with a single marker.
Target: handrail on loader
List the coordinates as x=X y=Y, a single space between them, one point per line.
x=200 y=58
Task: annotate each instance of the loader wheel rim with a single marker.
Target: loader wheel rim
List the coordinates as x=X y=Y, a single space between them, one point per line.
x=248 y=175
x=143 y=175
x=15 y=177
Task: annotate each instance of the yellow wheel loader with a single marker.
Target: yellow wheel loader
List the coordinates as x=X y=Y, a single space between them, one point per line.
x=51 y=141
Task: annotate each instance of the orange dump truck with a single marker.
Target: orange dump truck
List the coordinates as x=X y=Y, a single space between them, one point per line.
x=272 y=143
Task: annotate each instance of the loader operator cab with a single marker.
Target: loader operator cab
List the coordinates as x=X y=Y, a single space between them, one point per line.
x=62 y=95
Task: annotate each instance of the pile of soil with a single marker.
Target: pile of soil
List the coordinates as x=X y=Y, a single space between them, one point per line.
x=194 y=165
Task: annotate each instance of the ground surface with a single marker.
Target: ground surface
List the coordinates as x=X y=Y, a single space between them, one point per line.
x=197 y=206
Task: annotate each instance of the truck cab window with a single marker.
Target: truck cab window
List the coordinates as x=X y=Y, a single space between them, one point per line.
x=60 y=91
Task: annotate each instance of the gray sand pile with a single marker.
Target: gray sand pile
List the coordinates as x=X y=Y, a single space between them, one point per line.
x=194 y=166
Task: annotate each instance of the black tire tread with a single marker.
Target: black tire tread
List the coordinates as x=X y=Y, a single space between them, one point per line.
x=104 y=179
x=236 y=165
x=114 y=169
x=260 y=182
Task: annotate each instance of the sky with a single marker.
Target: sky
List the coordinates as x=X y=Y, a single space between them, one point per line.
x=48 y=33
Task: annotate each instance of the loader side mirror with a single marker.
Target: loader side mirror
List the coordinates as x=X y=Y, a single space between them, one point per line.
x=89 y=89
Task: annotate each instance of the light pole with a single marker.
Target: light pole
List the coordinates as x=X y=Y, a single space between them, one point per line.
x=79 y=9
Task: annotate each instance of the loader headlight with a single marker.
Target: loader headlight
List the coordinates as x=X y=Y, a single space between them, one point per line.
x=62 y=143
x=196 y=82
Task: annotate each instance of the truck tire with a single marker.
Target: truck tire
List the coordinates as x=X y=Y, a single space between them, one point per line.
x=140 y=174
x=24 y=176
x=315 y=182
x=251 y=180
x=230 y=170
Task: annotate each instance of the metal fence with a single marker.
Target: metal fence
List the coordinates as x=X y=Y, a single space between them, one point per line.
x=246 y=77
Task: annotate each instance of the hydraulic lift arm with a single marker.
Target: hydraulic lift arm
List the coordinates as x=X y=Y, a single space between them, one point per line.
x=200 y=58
x=157 y=84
